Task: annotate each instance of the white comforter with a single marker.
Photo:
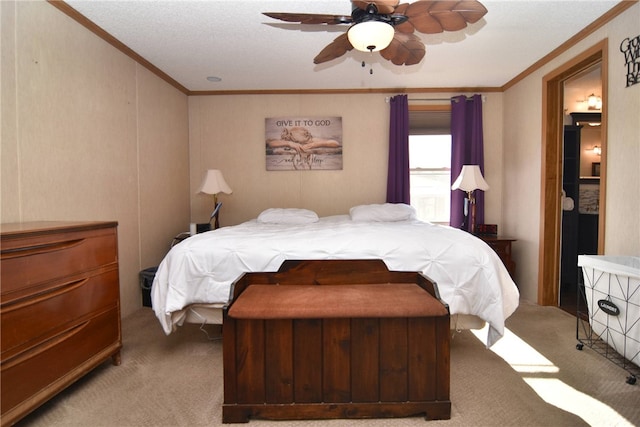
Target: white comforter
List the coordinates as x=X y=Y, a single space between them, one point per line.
x=470 y=276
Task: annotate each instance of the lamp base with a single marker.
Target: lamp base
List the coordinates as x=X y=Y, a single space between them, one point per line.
x=469 y=215
x=472 y=225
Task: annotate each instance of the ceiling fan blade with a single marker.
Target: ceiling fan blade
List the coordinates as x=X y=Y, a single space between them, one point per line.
x=447 y=16
x=405 y=49
x=420 y=19
x=384 y=7
x=335 y=49
x=434 y=16
x=310 y=18
x=471 y=10
x=406 y=26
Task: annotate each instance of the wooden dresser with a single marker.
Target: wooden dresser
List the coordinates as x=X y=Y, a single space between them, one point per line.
x=59 y=308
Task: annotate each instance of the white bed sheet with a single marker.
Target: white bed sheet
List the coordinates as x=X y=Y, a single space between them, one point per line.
x=470 y=276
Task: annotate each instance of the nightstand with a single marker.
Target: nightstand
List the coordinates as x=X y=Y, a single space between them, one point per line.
x=502 y=246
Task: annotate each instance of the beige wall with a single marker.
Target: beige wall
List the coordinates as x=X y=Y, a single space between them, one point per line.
x=228 y=133
x=88 y=134
x=523 y=139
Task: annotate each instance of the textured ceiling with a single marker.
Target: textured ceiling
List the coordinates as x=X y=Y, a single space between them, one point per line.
x=232 y=40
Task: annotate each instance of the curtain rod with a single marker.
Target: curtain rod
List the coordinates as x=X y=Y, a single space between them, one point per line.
x=431 y=99
x=387 y=99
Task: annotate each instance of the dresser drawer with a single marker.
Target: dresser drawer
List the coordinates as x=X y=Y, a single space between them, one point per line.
x=42 y=259
x=27 y=322
x=33 y=375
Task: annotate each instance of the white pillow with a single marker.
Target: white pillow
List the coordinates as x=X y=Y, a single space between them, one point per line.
x=287 y=216
x=387 y=212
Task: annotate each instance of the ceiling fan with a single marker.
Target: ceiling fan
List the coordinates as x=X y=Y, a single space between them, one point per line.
x=388 y=26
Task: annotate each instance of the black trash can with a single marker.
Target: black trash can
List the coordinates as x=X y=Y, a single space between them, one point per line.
x=146 y=280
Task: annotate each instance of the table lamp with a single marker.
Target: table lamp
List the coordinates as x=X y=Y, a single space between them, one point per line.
x=214 y=183
x=469 y=180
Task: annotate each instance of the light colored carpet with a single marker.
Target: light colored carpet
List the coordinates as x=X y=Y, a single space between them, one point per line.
x=177 y=381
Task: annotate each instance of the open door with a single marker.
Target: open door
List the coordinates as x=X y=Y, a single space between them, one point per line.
x=552 y=168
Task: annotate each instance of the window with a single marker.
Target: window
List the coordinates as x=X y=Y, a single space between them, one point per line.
x=430 y=165
x=430 y=176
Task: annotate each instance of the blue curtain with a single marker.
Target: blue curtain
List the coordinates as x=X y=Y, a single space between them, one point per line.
x=398 y=169
x=467 y=148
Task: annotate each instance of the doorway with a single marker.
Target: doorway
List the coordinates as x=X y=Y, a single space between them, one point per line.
x=581 y=159
x=552 y=168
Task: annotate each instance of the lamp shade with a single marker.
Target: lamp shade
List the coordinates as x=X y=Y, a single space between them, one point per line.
x=370 y=36
x=214 y=183
x=470 y=179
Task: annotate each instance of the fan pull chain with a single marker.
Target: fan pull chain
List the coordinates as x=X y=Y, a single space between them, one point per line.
x=370 y=69
x=364 y=64
x=371 y=55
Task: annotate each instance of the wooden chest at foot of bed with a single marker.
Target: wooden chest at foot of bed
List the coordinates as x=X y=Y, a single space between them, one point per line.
x=335 y=339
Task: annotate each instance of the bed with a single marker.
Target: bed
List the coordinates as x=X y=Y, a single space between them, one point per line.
x=193 y=281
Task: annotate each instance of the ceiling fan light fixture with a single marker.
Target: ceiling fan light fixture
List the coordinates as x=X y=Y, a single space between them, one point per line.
x=370 y=36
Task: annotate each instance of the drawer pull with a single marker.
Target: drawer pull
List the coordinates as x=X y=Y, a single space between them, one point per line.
x=40 y=249
x=45 y=295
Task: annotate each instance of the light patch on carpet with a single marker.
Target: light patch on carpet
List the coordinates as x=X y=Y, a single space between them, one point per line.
x=526 y=360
